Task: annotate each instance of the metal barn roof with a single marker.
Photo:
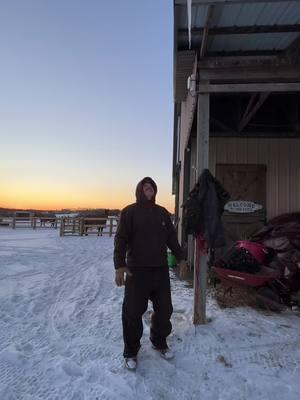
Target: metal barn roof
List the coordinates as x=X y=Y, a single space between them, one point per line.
x=223 y=28
x=240 y=15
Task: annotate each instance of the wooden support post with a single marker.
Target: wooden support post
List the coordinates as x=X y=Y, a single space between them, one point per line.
x=55 y=223
x=14 y=223
x=33 y=223
x=111 y=227
x=62 y=227
x=200 y=267
x=81 y=225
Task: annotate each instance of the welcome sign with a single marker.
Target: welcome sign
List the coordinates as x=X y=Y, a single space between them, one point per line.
x=242 y=206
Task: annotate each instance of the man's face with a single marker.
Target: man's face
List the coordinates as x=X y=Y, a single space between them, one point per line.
x=148 y=191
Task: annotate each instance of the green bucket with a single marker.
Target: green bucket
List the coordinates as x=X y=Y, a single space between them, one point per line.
x=171 y=260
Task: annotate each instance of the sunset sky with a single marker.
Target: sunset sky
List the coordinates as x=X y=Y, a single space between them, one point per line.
x=86 y=102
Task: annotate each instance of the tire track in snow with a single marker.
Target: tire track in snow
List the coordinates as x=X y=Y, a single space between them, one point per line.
x=274 y=355
x=87 y=290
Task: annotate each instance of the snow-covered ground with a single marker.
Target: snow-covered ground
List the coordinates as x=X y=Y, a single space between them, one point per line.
x=61 y=338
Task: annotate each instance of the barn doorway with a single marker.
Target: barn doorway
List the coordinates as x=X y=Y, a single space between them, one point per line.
x=245 y=213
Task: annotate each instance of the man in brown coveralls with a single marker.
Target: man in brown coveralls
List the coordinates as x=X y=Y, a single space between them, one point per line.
x=144 y=233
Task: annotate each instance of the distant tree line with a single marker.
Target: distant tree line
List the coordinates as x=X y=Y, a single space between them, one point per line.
x=9 y=212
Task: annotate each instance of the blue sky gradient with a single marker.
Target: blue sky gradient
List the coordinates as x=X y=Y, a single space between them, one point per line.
x=86 y=107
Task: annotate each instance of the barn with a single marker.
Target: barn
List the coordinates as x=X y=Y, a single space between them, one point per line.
x=237 y=108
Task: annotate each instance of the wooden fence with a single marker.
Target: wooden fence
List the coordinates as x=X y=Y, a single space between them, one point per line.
x=88 y=225
x=67 y=225
x=30 y=222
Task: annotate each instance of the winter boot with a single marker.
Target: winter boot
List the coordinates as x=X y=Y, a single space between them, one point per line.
x=131 y=363
x=165 y=353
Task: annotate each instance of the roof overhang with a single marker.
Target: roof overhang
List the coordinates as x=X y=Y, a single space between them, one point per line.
x=236 y=41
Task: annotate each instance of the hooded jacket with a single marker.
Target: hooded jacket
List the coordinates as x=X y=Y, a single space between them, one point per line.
x=144 y=233
x=203 y=209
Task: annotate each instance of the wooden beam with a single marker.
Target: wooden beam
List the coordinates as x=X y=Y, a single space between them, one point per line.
x=263 y=134
x=183 y=46
x=245 y=53
x=250 y=114
x=243 y=30
x=200 y=267
x=209 y=16
x=280 y=73
x=249 y=68
x=240 y=61
x=251 y=87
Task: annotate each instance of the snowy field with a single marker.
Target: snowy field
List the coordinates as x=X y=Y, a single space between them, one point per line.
x=60 y=333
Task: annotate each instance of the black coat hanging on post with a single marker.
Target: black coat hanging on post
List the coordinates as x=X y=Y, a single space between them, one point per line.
x=203 y=210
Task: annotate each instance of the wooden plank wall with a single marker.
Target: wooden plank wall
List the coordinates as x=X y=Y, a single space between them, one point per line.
x=282 y=158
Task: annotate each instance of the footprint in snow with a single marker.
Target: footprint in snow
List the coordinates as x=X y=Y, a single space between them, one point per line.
x=72 y=369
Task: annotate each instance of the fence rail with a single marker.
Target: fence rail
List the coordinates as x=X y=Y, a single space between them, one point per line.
x=67 y=225
x=88 y=225
x=30 y=222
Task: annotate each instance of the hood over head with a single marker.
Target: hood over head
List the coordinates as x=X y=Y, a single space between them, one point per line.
x=140 y=196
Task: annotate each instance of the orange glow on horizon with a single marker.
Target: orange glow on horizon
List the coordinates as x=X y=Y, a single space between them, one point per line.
x=48 y=200
x=48 y=194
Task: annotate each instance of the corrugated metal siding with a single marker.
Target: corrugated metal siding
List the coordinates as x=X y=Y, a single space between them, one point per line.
x=281 y=156
x=186 y=120
x=184 y=67
x=285 y=12
x=187 y=115
x=198 y=17
x=247 y=14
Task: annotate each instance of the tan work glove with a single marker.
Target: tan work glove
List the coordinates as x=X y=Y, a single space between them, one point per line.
x=183 y=268
x=120 y=275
